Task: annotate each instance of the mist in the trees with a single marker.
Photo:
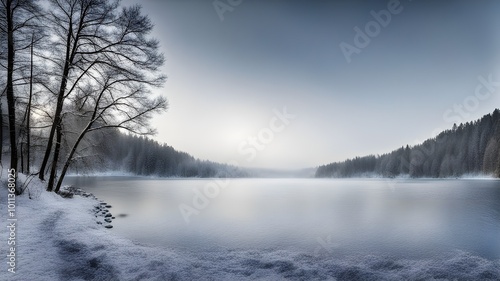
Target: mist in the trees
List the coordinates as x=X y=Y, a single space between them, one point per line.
x=113 y=151
x=466 y=149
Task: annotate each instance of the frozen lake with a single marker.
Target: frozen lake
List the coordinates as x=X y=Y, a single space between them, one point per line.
x=320 y=217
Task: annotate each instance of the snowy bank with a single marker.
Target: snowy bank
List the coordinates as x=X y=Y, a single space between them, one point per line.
x=59 y=239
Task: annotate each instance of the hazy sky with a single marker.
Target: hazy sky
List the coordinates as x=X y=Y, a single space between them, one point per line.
x=416 y=75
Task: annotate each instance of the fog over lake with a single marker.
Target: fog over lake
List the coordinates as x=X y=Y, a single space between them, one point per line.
x=335 y=218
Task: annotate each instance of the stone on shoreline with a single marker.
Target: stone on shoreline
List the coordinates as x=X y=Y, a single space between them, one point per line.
x=100 y=209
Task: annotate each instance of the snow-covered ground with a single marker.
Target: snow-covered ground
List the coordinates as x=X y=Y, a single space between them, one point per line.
x=59 y=239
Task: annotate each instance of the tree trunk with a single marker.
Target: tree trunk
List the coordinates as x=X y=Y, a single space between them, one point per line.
x=55 y=160
x=28 y=128
x=21 y=155
x=1 y=133
x=10 y=90
x=59 y=106
x=70 y=156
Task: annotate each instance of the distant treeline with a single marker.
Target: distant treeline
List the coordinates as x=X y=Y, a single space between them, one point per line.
x=115 y=151
x=470 y=148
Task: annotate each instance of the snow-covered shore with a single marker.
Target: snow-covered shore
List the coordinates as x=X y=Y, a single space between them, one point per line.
x=59 y=239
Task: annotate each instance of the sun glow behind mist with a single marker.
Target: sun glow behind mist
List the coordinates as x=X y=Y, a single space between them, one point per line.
x=225 y=78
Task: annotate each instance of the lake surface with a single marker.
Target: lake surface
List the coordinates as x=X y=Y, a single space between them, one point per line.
x=399 y=218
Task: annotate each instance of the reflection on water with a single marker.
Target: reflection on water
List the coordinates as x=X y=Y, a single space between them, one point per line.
x=401 y=218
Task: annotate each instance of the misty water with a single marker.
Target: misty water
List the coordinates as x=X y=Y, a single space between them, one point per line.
x=322 y=217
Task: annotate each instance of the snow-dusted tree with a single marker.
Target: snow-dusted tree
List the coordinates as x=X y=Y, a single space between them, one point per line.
x=74 y=26
x=470 y=148
x=29 y=88
x=111 y=66
x=119 y=102
x=104 y=60
x=18 y=18
x=492 y=155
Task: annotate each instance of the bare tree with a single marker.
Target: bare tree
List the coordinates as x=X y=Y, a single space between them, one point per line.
x=17 y=16
x=120 y=103
x=109 y=60
x=27 y=115
x=30 y=82
x=74 y=23
x=9 y=18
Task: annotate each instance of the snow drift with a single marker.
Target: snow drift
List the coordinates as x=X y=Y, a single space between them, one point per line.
x=58 y=239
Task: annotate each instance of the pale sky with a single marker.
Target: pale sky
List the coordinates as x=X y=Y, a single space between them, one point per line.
x=416 y=76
